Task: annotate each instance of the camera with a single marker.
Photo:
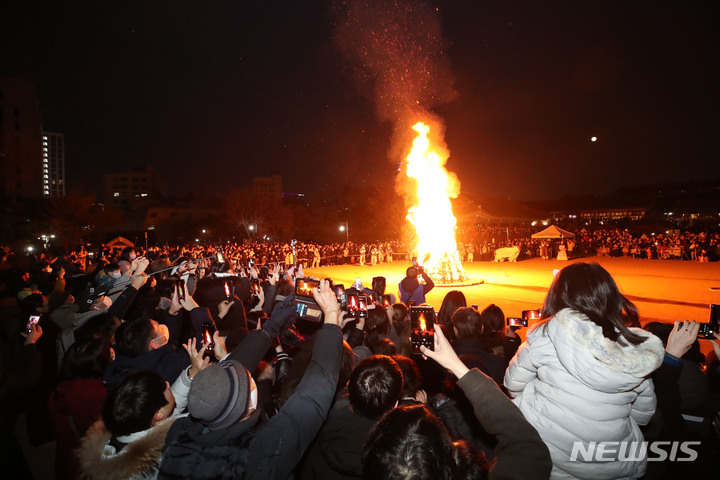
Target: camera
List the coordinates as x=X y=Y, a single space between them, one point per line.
x=422 y=332
x=305 y=305
x=516 y=322
x=531 y=314
x=350 y=302
x=304 y=286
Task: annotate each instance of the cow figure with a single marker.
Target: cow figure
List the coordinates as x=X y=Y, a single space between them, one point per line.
x=507 y=253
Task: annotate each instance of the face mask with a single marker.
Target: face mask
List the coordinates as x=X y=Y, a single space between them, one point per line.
x=165 y=303
x=163 y=339
x=253 y=399
x=132 y=256
x=115 y=274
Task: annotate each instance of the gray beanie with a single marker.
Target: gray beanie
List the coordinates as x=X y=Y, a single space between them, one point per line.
x=219 y=394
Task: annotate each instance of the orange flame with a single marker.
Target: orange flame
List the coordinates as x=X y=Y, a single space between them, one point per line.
x=208 y=337
x=432 y=216
x=227 y=290
x=423 y=325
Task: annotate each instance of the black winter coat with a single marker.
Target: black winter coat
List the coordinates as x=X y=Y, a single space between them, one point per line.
x=270 y=450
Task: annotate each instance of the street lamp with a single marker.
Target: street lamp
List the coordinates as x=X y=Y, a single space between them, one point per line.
x=345 y=228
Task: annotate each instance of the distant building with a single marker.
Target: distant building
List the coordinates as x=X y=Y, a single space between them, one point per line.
x=20 y=140
x=53 y=164
x=270 y=186
x=123 y=191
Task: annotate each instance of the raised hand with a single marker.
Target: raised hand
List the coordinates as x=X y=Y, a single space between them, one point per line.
x=327 y=300
x=197 y=359
x=444 y=354
x=681 y=338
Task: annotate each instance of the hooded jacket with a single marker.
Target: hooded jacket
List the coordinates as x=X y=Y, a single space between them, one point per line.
x=575 y=385
x=138 y=460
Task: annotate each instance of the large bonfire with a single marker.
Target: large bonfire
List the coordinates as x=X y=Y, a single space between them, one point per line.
x=432 y=214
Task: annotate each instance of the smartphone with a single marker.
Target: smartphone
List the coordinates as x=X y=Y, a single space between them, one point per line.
x=255 y=285
x=422 y=332
x=182 y=290
x=208 y=332
x=229 y=290
x=220 y=257
x=531 y=314
x=33 y=320
x=516 y=322
x=386 y=301
x=474 y=306
x=362 y=306
x=371 y=298
x=304 y=286
x=349 y=303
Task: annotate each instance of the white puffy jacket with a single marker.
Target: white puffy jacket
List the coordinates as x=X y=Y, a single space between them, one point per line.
x=574 y=385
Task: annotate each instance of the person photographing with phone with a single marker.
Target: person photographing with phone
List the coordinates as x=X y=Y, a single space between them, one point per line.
x=411 y=290
x=403 y=436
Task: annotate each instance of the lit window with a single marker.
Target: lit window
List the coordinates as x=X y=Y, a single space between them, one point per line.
x=116 y=194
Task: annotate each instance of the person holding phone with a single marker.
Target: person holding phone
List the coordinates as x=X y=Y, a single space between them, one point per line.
x=411 y=289
x=406 y=435
x=222 y=437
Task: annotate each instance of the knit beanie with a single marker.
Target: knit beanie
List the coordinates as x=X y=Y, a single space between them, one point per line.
x=219 y=394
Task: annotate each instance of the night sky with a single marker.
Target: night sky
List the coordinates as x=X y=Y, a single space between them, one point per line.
x=212 y=93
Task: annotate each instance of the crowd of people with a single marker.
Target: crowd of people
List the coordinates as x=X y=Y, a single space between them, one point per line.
x=669 y=245
x=199 y=362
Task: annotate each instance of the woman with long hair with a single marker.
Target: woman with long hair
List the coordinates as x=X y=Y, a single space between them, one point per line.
x=582 y=376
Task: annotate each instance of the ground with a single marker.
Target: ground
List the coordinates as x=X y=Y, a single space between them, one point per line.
x=662 y=290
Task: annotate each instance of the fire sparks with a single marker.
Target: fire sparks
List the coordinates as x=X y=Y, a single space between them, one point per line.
x=432 y=215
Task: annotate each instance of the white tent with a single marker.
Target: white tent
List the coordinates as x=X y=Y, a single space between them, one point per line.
x=553 y=232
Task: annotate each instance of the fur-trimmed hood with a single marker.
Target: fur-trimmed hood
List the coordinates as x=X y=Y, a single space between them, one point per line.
x=571 y=331
x=574 y=385
x=137 y=460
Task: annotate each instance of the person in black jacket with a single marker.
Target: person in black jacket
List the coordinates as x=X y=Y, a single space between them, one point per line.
x=410 y=443
x=145 y=344
x=468 y=330
x=222 y=438
x=375 y=387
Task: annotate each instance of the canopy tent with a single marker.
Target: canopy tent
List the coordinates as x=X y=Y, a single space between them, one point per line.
x=553 y=232
x=120 y=242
